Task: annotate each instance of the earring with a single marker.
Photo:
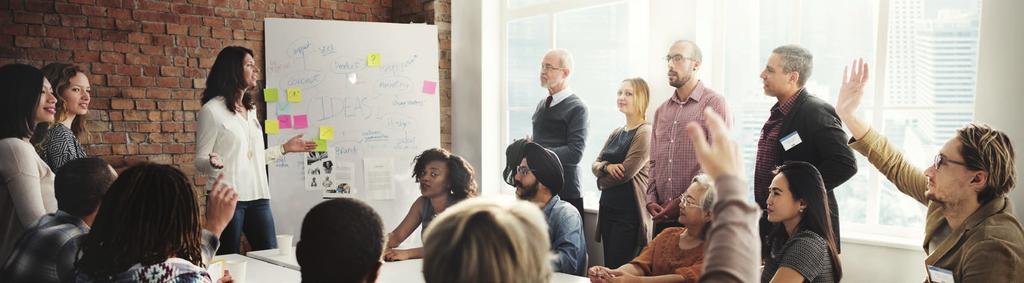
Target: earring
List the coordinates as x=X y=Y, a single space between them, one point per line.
x=801 y=210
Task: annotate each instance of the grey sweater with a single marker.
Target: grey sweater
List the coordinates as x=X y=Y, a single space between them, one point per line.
x=563 y=129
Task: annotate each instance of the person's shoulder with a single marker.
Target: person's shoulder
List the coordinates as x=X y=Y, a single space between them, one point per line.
x=216 y=103
x=59 y=130
x=807 y=240
x=565 y=210
x=14 y=145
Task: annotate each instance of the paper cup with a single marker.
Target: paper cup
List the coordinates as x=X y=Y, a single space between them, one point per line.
x=237 y=270
x=284 y=244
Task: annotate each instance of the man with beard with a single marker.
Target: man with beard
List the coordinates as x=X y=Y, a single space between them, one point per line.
x=971 y=234
x=538 y=179
x=560 y=122
x=801 y=127
x=673 y=163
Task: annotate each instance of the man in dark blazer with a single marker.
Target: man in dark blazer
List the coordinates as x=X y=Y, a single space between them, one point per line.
x=560 y=122
x=801 y=127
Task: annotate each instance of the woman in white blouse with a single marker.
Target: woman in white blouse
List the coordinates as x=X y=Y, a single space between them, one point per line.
x=26 y=183
x=230 y=141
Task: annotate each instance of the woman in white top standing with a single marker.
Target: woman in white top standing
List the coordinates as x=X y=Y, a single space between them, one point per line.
x=230 y=141
x=26 y=182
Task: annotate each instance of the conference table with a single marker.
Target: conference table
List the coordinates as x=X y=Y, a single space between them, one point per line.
x=395 y=271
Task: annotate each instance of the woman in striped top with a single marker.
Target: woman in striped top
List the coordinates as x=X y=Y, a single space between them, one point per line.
x=60 y=143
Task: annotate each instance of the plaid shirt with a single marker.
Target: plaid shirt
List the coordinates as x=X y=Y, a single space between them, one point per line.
x=673 y=160
x=769 y=149
x=46 y=251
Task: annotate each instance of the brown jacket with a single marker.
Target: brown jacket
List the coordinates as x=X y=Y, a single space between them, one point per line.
x=635 y=167
x=988 y=247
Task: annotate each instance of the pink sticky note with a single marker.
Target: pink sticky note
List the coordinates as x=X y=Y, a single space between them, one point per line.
x=300 y=122
x=429 y=87
x=285 y=121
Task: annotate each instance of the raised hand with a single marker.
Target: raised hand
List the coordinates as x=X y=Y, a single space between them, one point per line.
x=850 y=95
x=220 y=206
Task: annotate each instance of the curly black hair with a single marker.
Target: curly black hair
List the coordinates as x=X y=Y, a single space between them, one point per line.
x=461 y=176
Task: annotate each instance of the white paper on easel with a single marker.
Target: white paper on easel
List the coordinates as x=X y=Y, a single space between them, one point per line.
x=377 y=175
x=322 y=172
x=344 y=174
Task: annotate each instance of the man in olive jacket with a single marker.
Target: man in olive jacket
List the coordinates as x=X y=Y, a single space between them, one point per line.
x=971 y=234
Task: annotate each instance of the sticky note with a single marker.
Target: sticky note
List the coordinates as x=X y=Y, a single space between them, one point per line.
x=272 y=127
x=270 y=94
x=326 y=133
x=300 y=122
x=294 y=95
x=373 y=60
x=429 y=87
x=321 y=145
x=285 y=121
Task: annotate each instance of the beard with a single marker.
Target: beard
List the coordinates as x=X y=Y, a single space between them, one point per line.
x=679 y=81
x=526 y=192
x=932 y=197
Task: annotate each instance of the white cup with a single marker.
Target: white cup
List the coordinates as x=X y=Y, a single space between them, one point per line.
x=284 y=244
x=237 y=270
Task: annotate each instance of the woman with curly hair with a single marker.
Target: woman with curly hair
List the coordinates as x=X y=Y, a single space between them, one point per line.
x=445 y=179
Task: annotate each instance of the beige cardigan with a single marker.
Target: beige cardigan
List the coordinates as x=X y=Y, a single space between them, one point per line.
x=635 y=166
x=988 y=247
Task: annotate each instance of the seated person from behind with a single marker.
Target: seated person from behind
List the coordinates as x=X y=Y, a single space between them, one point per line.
x=444 y=179
x=801 y=246
x=496 y=243
x=677 y=254
x=342 y=240
x=46 y=251
x=538 y=179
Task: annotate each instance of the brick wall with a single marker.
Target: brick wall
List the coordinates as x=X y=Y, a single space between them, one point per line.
x=148 y=60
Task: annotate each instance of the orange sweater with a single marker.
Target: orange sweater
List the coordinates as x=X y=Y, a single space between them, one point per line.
x=663 y=256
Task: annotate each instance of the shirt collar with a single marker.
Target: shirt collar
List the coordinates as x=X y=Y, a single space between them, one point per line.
x=696 y=95
x=68 y=218
x=559 y=96
x=785 y=106
x=551 y=204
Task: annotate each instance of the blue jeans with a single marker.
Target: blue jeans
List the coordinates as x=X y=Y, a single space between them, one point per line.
x=255 y=219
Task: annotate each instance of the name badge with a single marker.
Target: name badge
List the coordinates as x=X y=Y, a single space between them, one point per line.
x=939 y=275
x=790 y=140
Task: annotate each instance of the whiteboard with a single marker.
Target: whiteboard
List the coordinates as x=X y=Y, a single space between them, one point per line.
x=387 y=112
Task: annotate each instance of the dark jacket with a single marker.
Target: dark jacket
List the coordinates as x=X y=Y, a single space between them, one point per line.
x=563 y=129
x=824 y=144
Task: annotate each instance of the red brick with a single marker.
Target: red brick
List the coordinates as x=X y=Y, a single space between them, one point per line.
x=27 y=41
x=135 y=92
x=155 y=116
x=112 y=57
x=152 y=49
x=136 y=59
x=169 y=105
x=157 y=93
x=14 y=30
x=102 y=69
x=67 y=9
x=221 y=33
x=145 y=104
x=92 y=10
x=134 y=115
x=59 y=32
x=191 y=105
x=174 y=148
x=128 y=70
x=140 y=38
x=169 y=71
x=149 y=148
x=115 y=137
x=98 y=150
x=172 y=127
x=143 y=81
x=177 y=29
x=126 y=48
x=121 y=104
x=153 y=27
x=168 y=82
x=26 y=18
x=115 y=80
x=74 y=44
x=161 y=137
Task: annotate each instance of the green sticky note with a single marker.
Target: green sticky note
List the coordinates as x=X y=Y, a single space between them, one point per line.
x=326 y=133
x=294 y=95
x=373 y=60
x=270 y=95
x=272 y=127
x=321 y=145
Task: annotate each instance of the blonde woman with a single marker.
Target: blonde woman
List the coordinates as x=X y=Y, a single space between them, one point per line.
x=486 y=240
x=623 y=225
x=677 y=254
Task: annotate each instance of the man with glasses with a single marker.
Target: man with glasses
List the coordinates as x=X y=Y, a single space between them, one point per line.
x=673 y=163
x=801 y=127
x=560 y=122
x=971 y=234
x=538 y=179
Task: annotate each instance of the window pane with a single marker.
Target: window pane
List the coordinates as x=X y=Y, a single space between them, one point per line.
x=513 y=4
x=528 y=40
x=596 y=38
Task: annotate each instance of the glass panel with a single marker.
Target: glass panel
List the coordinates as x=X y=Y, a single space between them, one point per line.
x=514 y=4
x=528 y=40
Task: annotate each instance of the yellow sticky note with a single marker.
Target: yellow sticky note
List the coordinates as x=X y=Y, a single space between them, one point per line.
x=272 y=127
x=321 y=145
x=326 y=133
x=270 y=95
x=294 y=95
x=373 y=60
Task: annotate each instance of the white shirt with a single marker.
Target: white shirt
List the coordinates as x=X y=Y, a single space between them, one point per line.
x=239 y=142
x=559 y=96
x=26 y=191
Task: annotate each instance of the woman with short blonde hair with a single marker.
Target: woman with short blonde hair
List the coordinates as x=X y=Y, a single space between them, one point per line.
x=487 y=240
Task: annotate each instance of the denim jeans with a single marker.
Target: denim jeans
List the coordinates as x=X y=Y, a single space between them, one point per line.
x=256 y=220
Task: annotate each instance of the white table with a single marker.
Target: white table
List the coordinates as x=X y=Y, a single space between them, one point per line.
x=257 y=271
x=396 y=271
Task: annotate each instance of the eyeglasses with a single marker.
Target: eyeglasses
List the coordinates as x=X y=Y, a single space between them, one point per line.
x=522 y=170
x=548 y=68
x=676 y=58
x=689 y=203
x=941 y=159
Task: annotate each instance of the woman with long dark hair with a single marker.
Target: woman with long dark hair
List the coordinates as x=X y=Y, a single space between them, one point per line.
x=149 y=229
x=445 y=179
x=230 y=141
x=26 y=190
x=61 y=143
x=801 y=246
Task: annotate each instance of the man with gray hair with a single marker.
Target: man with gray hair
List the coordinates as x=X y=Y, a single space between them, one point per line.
x=560 y=122
x=801 y=127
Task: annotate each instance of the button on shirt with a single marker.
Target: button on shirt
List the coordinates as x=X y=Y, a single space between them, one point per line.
x=673 y=160
x=239 y=142
x=769 y=149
